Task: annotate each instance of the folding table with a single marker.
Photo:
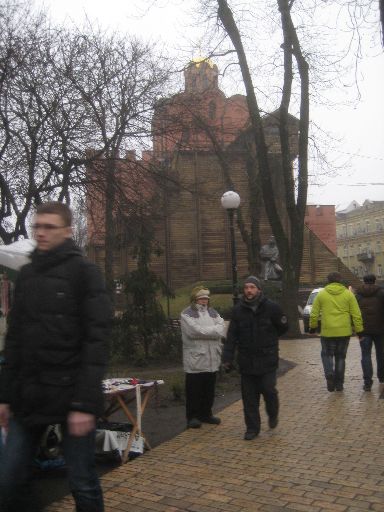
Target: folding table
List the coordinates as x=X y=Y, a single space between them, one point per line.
x=120 y=393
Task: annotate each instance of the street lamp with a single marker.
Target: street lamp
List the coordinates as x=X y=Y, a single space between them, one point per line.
x=230 y=201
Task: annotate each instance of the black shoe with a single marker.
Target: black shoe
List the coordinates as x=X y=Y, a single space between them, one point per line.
x=212 y=420
x=273 y=421
x=330 y=384
x=367 y=387
x=339 y=387
x=248 y=436
x=194 y=423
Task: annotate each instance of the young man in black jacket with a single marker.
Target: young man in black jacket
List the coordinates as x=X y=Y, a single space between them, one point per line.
x=370 y=298
x=55 y=355
x=255 y=326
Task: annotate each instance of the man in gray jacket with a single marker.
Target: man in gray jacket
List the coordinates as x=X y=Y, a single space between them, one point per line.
x=202 y=329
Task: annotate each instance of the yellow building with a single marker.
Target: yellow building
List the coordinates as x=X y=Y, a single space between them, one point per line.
x=359 y=234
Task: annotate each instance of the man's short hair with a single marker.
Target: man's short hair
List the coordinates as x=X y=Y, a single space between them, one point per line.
x=56 y=208
x=334 y=277
x=369 y=279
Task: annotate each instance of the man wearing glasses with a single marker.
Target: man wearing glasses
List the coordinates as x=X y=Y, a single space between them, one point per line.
x=55 y=355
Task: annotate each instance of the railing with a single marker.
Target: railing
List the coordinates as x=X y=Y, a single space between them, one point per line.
x=365 y=256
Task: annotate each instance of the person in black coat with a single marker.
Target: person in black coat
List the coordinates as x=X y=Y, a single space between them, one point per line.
x=254 y=329
x=370 y=298
x=55 y=356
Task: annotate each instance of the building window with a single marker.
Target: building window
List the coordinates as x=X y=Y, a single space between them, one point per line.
x=379 y=270
x=350 y=230
x=378 y=245
x=351 y=250
x=367 y=226
x=345 y=250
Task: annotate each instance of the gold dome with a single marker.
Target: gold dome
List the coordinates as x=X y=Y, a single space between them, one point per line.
x=199 y=60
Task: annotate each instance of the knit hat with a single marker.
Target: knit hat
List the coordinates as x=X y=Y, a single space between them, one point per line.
x=254 y=280
x=199 y=292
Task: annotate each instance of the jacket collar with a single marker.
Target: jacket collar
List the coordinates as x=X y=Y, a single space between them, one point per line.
x=45 y=259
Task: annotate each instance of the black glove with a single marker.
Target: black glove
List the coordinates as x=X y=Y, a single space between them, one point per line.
x=312 y=330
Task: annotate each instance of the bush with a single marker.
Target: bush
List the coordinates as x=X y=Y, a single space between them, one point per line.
x=176 y=385
x=168 y=345
x=122 y=342
x=224 y=312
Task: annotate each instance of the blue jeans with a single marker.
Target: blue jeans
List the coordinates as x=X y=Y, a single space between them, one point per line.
x=333 y=354
x=366 y=361
x=16 y=455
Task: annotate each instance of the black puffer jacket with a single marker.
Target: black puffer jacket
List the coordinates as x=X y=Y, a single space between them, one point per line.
x=371 y=301
x=56 y=345
x=255 y=335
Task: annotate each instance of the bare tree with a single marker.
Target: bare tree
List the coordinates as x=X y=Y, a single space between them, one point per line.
x=290 y=243
x=63 y=92
x=123 y=80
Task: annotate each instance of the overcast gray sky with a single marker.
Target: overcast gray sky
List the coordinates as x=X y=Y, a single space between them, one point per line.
x=361 y=127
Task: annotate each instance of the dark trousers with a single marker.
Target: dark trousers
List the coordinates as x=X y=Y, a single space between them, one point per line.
x=252 y=386
x=366 y=360
x=333 y=354
x=16 y=456
x=199 y=394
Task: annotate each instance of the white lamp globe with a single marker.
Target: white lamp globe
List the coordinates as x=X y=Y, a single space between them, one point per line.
x=230 y=200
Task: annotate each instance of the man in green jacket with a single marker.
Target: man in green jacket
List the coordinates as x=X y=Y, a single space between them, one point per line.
x=339 y=310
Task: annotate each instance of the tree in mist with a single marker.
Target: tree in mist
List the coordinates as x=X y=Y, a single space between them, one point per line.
x=290 y=243
x=297 y=72
x=63 y=92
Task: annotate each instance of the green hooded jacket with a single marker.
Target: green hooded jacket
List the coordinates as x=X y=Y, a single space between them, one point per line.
x=338 y=309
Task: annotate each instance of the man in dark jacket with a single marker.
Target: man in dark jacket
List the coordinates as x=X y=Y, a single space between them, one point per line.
x=55 y=355
x=255 y=326
x=371 y=301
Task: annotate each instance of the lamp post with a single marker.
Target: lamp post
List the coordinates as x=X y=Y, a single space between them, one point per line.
x=230 y=201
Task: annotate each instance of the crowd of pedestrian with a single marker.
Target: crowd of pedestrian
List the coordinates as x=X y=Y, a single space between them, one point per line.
x=340 y=313
x=253 y=334
x=56 y=353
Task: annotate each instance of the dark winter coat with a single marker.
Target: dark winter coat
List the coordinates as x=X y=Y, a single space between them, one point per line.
x=370 y=298
x=255 y=336
x=56 y=345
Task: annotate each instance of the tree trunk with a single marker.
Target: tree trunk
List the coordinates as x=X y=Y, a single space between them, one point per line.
x=290 y=243
x=110 y=235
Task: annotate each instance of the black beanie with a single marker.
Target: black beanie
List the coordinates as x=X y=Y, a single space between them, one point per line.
x=254 y=280
x=369 y=279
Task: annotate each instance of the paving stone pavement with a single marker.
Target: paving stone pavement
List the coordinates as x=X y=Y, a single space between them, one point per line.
x=327 y=453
